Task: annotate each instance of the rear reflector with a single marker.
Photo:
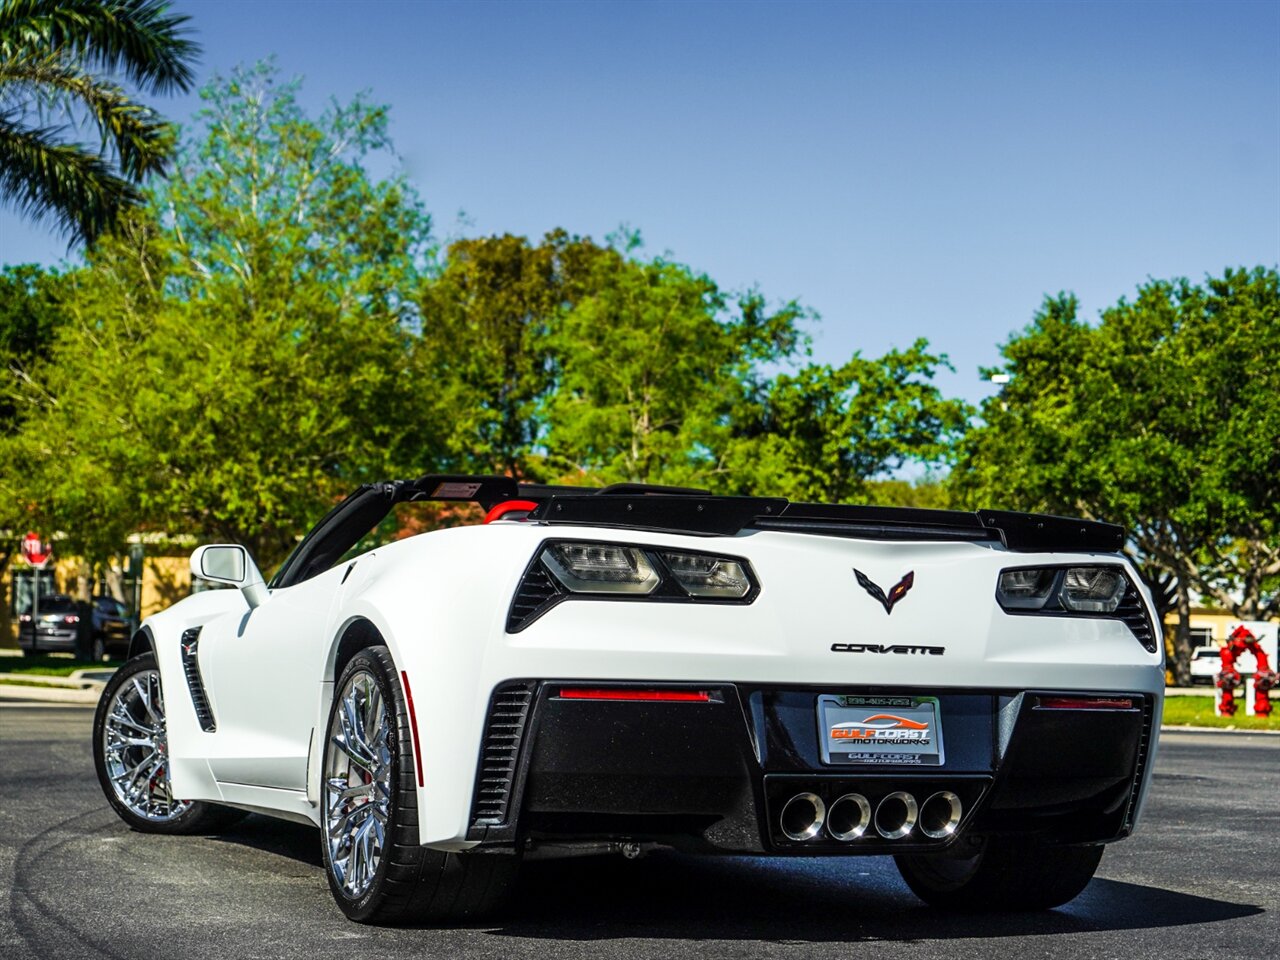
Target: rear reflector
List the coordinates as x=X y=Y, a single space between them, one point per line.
x=1085 y=703
x=670 y=696
x=413 y=723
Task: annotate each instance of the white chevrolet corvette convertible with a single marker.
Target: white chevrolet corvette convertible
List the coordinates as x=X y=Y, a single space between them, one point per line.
x=635 y=667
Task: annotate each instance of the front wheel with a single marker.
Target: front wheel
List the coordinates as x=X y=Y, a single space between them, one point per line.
x=131 y=756
x=1006 y=875
x=378 y=871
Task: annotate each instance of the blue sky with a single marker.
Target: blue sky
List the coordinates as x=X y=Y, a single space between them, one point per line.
x=905 y=169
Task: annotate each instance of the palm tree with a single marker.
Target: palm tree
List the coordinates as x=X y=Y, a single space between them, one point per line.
x=48 y=50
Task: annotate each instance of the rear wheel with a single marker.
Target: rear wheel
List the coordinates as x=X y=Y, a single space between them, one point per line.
x=1005 y=875
x=98 y=652
x=378 y=872
x=131 y=756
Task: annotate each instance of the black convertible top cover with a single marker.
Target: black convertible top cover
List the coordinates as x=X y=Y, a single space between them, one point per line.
x=687 y=510
x=640 y=506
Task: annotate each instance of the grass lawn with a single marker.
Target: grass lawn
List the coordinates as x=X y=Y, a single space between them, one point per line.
x=48 y=664
x=1198 y=712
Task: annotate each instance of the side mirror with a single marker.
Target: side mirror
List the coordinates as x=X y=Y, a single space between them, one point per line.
x=230 y=563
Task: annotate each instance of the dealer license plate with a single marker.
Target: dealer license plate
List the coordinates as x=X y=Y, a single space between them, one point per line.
x=880 y=730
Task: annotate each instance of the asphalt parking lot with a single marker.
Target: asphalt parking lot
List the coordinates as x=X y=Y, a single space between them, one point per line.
x=1199 y=881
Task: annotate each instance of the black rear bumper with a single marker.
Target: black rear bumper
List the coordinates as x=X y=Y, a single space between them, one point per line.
x=713 y=774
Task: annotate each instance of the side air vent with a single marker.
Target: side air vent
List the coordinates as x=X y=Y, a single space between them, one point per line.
x=191 y=667
x=1134 y=615
x=1144 y=752
x=505 y=729
x=538 y=593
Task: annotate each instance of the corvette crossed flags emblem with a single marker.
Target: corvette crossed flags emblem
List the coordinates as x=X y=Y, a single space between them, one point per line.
x=896 y=592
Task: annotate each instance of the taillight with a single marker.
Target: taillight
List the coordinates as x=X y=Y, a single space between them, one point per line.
x=1075 y=589
x=589 y=569
x=71 y=618
x=1103 y=591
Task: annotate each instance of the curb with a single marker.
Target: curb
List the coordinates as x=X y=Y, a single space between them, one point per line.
x=82 y=687
x=86 y=695
x=76 y=681
x=1260 y=733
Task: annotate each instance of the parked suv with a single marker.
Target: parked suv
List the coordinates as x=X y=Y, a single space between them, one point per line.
x=61 y=624
x=92 y=631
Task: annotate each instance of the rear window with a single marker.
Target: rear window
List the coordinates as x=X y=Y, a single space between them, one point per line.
x=57 y=605
x=1205 y=655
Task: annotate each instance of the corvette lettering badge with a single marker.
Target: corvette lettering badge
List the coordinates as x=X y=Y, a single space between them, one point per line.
x=896 y=592
x=887 y=648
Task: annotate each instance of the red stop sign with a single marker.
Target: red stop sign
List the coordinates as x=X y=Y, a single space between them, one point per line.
x=36 y=551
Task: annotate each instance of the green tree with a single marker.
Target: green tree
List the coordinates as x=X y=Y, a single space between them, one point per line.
x=1164 y=418
x=236 y=358
x=825 y=433
x=49 y=50
x=485 y=349
x=578 y=362
x=650 y=365
x=30 y=315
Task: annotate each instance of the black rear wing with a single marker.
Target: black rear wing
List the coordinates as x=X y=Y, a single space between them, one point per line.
x=691 y=511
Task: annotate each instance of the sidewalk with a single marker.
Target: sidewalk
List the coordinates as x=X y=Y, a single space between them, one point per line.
x=82 y=687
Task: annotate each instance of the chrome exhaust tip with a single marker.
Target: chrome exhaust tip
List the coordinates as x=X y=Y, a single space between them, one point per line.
x=940 y=815
x=849 y=817
x=896 y=815
x=802 y=817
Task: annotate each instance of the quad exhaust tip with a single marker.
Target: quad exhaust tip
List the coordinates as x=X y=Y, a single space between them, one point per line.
x=940 y=815
x=896 y=815
x=849 y=817
x=803 y=816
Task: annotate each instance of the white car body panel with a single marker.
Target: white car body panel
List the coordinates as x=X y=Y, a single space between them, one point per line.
x=440 y=602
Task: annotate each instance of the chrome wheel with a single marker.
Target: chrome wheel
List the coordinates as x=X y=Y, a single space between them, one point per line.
x=135 y=749
x=357 y=784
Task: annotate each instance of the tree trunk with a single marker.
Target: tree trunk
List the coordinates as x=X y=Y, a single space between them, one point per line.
x=1182 y=637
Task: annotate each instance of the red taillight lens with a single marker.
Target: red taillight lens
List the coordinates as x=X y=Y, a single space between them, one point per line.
x=24 y=617
x=71 y=619
x=668 y=696
x=1086 y=703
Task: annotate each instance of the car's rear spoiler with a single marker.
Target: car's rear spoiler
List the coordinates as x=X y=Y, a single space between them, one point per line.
x=686 y=510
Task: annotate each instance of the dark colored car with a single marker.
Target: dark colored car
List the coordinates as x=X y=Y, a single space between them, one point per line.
x=111 y=628
x=92 y=631
x=59 y=625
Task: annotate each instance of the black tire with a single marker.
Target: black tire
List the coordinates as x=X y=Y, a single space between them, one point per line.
x=410 y=883
x=197 y=816
x=1008 y=875
x=98 y=652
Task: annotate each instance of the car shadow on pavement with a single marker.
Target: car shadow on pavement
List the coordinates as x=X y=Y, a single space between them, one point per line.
x=297 y=841
x=802 y=900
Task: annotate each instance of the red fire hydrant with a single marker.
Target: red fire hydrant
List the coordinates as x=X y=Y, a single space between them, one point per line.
x=1264 y=678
